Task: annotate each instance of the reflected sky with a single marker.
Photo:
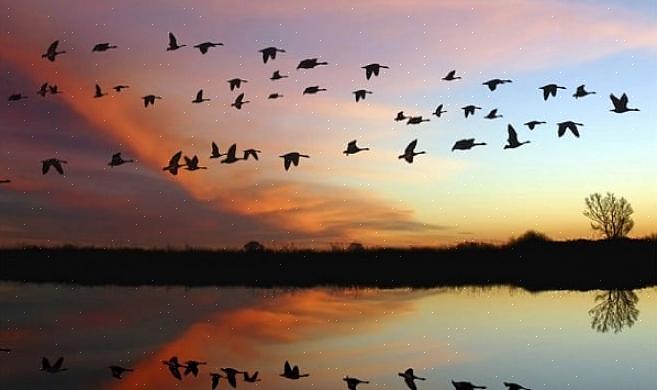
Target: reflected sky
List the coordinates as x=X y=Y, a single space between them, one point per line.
x=543 y=340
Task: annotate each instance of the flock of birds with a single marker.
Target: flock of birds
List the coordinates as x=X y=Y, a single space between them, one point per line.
x=178 y=161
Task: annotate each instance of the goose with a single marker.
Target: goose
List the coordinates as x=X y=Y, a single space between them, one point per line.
x=568 y=125
x=119 y=88
x=620 y=105
x=310 y=63
x=400 y=116
x=450 y=76
x=150 y=99
x=277 y=76
x=533 y=124
x=99 y=92
x=512 y=141
x=174 y=164
x=173 y=43
x=360 y=94
x=117 y=371
x=352 y=148
x=43 y=90
x=373 y=69
x=493 y=83
x=415 y=120
x=54 y=90
x=230 y=155
x=470 y=110
x=231 y=375
x=99 y=47
x=410 y=153
x=274 y=96
x=236 y=83
x=409 y=378
x=118 y=160
x=52 y=369
x=466 y=144
x=215 y=379
x=192 y=367
x=199 y=97
x=288 y=371
x=493 y=114
x=550 y=89
x=352 y=383
x=292 y=158
x=5 y=181
x=466 y=386
x=16 y=97
x=581 y=92
x=205 y=46
x=251 y=153
x=52 y=52
x=52 y=162
x=191 y=164
x=251 y=379
x=174 y=367
x=215 y=151
x=439 y=111
x=313 y=90
x=515 y=386
x=239 y=101
x=270 y=53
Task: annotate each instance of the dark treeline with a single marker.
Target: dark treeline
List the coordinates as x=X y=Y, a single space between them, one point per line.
x=530 y=264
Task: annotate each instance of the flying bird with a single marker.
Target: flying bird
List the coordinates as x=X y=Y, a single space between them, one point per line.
x=251 y=379
x=466 y=144
x=512 y=141
x=310 y=63
x=470 y=110
x=54 y=90
x=274 y=96
x=515 y=386
x=199 y=97
x=174 y=367
x=192 y=365
x=439 y=111
x=119 y=88
x=52 y=369
x=533 y=124
x=415 y=120
x=451 y=76
x=352 y=148
x=292 y=158
x=239 y=101
x=215 y=379
x=16 y=97
x=581 y=92
x=400 y=116
x=231 y=155
x=620 y=105
x=313 y=90
x=410 y=153
x=99 y=47
x=174 y=165
x=288 y=371
x=352 y=383
x=409 y=378
x=277 y=76
x=52 y=162
x=568 y=125
x=203 y=47
x=191 y=164
x=373 y=69
x=251 y=153
x=150 y=99
x=493 y=83
x=236 y=83
x=118 y=160
x=173 y=43
x=5 y=349
x=5 y=181
x=117 y=371
x=231 y=375
x=493 y=114
x=99 y=92
x=360 y=94
x=550 y=90
x=466 y=386
x=52 y=52
x=269 y=53
x=215 y=151
x=43 y=90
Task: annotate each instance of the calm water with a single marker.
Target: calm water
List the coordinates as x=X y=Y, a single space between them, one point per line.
x=550 y=340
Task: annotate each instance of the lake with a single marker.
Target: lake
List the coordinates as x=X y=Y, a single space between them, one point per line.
x=546 y=340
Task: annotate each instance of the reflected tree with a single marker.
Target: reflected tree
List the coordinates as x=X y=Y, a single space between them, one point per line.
x=614 y=310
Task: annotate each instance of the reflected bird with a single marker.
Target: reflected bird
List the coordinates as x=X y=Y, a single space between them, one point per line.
x=239 y=101
x=360 y=94
x=43 y=90
x=550 y=90
x=251 y=379
x=99 y=92
x=192 y=365
x=581 y=92
x=52 y=52
x=514 y=386
x=313 y=90
x=231 y=155
x=415 y=120
x=199 y=97
x=310 y=63
x=251 y=153
x=275 y=95
x=269 y=53
x=352 y=148
x=215 y=379
x=533 y=124
x=470 y=110
x=352 y=383
x=568 y=125
x=119 y=88
x=466 y=144
x=118 y=160
x=231 y=375
x=52 y=369
x=173 y=43
x=16 y=97
x=450 y=76
x=277 y=76
x=150 y=99
x=492 y=84
x=203 y=47
x=620 y=105
x=292 y=158
x=373 y=69
x=466 y=386
x=292 y=372
x=410 y=153
x=174 y=165
x=493 y=114
x=215 y=151
x=117 y=371
x=52 y=162
x=512 y=141
x=409 y=378
x=174 y=367
x=236 y=83
x=400 y=116
x=99 y=47
x=439 y=111
x=191 y=164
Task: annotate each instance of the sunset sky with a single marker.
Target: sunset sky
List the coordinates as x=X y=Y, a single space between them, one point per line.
x=486 y=193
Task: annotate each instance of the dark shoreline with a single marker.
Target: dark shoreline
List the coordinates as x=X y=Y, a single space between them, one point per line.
x=532 y=265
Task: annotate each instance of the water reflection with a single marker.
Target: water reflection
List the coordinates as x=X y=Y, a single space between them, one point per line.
x=615 y=310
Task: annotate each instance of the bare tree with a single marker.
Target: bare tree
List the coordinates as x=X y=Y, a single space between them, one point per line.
x=609 y=215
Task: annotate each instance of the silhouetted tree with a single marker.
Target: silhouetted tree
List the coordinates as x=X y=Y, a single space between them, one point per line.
x=609 y=215
x=253 y=246
x=355 y=247
x=615 y=310
x=530 y=237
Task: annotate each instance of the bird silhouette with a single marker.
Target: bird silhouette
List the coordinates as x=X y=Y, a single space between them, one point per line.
x=409 y=378
x=203 y=47
x=533 y=124
x=292 y=372
x=352 y=383
x=416 y=120
x=352 y=148
x=493 y=83
x=43 y=90
x=550 y=90
x=581 y=92
x=466 y=144
x=252 y=378
x=400 y=116
x=251 y=153
x=470 y=110
x=16 y=97
x=99 y=47
x=410 y=153
x=231 y=375
x=5 y=349
x=512 y=141
x=174 y=367
x=5 y=181
x=310 y=63
x=360 y=94
x=52 y=162
x=119 y=88
x=313 y=90
x=192 y=367
x=269 y=53
x=231 y=155
x=439 y=111
x=118 y=160
x=191 y=164
x=275 y=95
x=173 y=43
x=54 y=90
x=373 y=69
x=52 y=369
x=199 y=97
x=568 y=125
x=277 y=76
x=215 y=379
x=620 y=105
x=239 y=101
x=292 y=158
x=150 y=100
x=117 y=371
x=215 y=151
x=236 y=83
x=466 y=386
x=451 y=76
x=174 y=164
x=515 y=386
x=52 y=52
x=493 y=114
x=99 y=92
